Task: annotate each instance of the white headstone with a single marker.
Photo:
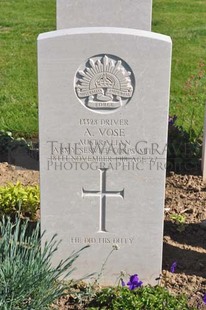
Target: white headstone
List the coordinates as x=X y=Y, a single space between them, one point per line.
x=103 y=116
x=135 y=14
x=204 y=152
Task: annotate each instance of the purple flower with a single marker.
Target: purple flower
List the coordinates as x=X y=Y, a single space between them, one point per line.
x=122 y=282
x=204 y=299
x=173 y=267
x=134 y=282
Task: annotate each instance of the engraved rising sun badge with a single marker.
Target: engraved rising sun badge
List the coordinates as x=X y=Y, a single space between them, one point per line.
x=104 y=84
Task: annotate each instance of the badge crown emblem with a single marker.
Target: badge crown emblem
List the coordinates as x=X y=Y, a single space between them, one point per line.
x=104 y=84
x=104 y=81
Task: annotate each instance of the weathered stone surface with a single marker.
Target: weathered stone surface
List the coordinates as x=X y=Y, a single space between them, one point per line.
x=103 y=116
x=135 y=14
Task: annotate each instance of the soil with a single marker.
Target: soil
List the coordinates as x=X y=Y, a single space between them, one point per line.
x=184 y=232
x=12 y=174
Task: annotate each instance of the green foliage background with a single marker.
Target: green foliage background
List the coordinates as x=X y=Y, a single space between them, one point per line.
x=20 y=23
x=22 y=20
x=184 y=21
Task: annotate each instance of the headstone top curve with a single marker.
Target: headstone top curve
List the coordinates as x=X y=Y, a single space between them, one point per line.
x=104 y=30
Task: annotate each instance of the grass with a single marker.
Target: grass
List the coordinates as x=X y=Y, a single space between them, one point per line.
x=20 y=23
x=22 y=20
x=184 y=21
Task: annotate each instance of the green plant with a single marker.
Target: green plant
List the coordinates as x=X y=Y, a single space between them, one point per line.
x=178 y=219
x=5 y=140
x=9 y=142
x=19 y=199
x=143 y=298
x=27 y=279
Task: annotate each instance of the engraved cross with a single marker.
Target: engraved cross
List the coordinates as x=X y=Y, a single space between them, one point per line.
x=102 y=194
